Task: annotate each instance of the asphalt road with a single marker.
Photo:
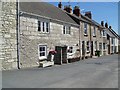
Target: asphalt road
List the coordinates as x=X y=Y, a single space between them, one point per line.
x=89 y=73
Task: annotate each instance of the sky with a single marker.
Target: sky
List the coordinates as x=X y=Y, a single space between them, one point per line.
x=101 y=11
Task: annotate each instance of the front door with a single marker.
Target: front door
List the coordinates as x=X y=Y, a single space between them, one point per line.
x=83 y=48
x=108 y=49
x=91 y=48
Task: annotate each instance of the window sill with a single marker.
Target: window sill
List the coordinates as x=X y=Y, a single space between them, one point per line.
x=88 y=51
x=86 y=35
x=104 y=36
x=94 y=35
x=42 y=58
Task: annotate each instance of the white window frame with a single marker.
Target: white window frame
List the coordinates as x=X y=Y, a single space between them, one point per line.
x=42 y=57
x=66 y=29
x=85 y=29
x=88 y=46
x=95 y=43
x=94 y=31
x=45 y=26
x=104 y=47
x=104 y=33
x=101 y=33
x=100 y=46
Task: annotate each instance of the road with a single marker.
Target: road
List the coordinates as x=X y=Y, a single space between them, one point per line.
x=89 y=73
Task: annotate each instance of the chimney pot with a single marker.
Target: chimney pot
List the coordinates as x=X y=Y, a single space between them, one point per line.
x=106 y=25
x=76 y=11
x=102 y=23
x=110 y=27
x=68 y=9
x=60 y=5
x=88 y=14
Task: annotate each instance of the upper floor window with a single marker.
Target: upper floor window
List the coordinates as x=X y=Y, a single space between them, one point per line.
x=43 y=27
x=94 y=32
x=104 y=33
x=100 y=33
x=85 y=28
x=66 y=29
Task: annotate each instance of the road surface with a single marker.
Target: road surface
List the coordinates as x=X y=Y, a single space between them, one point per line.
x=89 y=73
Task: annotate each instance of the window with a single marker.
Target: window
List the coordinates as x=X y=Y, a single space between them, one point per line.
x=47 y=27
x=104 y=47
x=95 y=45
x=94 y=32
x=66 y=29
x=100 y=46
x=85 y=28
x=100 y=33
x=39 y=26
x=43 y=27
x=112 y=40
x=104 y=33
x=70 y=50
x=87 y=44
x=42 y=50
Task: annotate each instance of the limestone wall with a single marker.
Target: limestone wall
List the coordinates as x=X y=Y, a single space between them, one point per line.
x=8 y=41
x=30 y=38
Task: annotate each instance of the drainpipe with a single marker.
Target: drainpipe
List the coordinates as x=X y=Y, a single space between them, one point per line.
x=90 y=41
x=17 y=35
x=80 y=41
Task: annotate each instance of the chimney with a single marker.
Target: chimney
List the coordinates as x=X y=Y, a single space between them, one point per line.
x=68 y=9
x=106 y=25
x=102 y=23
x=60 y=5
x=110 y=27
x=76 y=11
x=88 y=14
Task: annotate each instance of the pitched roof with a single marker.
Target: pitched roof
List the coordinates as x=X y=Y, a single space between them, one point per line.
x=45 y=9
x=114 y=33
x=109 y=33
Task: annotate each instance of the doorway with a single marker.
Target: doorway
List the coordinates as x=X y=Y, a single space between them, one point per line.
x=61 y=55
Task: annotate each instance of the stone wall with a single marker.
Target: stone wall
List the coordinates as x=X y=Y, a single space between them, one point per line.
x=8 y=53
x=30 y=38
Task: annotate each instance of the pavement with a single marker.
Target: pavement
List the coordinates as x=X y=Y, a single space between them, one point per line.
x=101 y=72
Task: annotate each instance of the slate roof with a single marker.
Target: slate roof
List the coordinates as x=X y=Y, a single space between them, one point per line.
x=45 y=9
x=110 y=33
x=114 y=33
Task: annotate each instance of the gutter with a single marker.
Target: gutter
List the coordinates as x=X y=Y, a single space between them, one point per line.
x=17 y=33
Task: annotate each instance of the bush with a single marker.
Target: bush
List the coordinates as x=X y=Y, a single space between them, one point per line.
x=97 y=53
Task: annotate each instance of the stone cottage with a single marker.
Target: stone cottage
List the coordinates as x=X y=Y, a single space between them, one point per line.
x=44 y=27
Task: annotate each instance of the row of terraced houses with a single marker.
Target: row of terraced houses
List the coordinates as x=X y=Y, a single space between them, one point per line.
x=30 y=30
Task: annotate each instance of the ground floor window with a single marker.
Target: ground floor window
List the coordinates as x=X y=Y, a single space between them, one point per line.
x=95 y=45
x=42 y=51
x=70 y=50
x=104 y=46
x=100 y=46
x=87 y=44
